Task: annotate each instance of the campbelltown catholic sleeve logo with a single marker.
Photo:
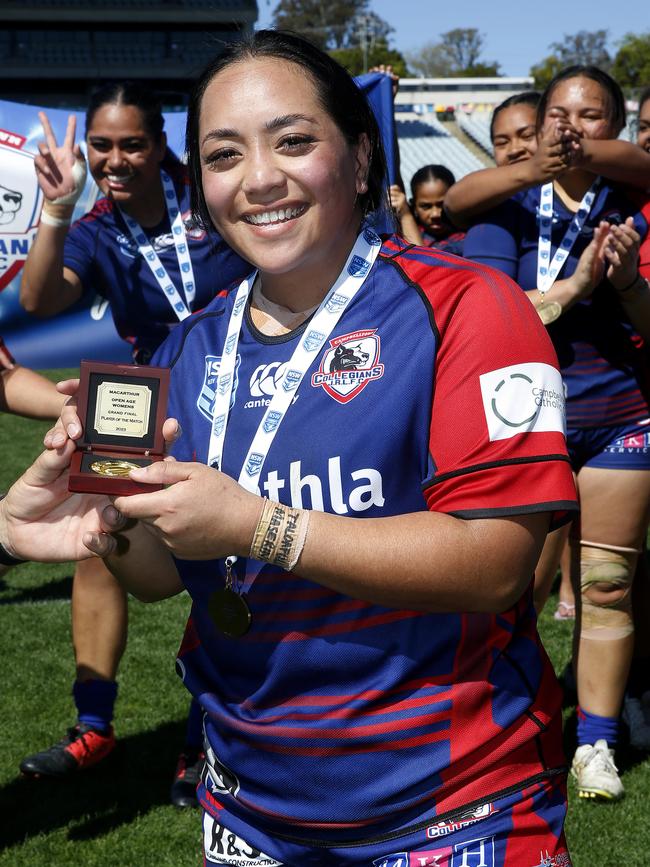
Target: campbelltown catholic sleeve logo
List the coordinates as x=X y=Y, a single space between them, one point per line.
x=349 y=364
x=207 y=395
x=19 y=204
x=522 y=398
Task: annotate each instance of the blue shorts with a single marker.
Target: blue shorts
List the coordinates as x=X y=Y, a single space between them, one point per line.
x=524 y=829
x=621 y=447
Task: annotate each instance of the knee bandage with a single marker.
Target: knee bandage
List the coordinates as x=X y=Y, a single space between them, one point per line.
x=606 y=573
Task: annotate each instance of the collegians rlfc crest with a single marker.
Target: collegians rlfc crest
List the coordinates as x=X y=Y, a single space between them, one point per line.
x=349 y=364
x=19 y=205
x=207 y=395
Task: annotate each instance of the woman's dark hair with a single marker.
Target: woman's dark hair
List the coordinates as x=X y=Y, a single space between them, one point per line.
x=129 y=93
x=527 y=97
x=339 y=96
x=431 y=173
x=613 y=92
x=148 y=104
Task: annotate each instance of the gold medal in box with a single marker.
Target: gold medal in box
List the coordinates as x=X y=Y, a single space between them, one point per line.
x=122 y=408
x=113 y=469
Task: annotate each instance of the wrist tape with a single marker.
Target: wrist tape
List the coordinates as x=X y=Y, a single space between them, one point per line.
x=79 y=172
x=280 y=535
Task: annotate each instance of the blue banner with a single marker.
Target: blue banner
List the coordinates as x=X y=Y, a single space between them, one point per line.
x=85 y=330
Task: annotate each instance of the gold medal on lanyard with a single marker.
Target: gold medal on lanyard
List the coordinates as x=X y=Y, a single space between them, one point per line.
x=229 y=609
x=549 y=312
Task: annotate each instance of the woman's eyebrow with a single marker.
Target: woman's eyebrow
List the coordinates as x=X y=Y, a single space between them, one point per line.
x=287 y=120
x=271 y=126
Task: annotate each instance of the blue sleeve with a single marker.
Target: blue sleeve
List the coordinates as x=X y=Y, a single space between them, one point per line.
x=79 y=253
x=495 y=240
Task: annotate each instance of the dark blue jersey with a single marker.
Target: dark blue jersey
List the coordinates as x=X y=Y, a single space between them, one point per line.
x=100 y=250
x=600 y=357
x=333 y=715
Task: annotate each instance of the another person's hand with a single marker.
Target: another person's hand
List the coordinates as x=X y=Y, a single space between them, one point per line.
x=60 y=169
x=203 y=514
x=41 y=520
x=398 y=201
x=557 y=149
x=621 y=253
x=68 y=425
x=591 y=265
x=387 y=69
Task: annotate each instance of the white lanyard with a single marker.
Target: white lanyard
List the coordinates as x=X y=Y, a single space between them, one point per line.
x=348 y=283
x=547 y=268
x=146 y=250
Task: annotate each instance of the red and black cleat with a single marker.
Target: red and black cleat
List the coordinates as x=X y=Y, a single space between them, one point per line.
x=82 y=747
x=186 y=779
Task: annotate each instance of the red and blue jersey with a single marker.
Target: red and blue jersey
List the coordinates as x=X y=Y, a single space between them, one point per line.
x=336 y=717
x=601 y=357
x=100 y=250
x=451 y=243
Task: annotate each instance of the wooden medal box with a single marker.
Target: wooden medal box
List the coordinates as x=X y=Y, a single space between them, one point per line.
x=122 y=408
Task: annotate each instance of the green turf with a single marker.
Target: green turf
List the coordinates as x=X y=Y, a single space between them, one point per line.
x=119 y=815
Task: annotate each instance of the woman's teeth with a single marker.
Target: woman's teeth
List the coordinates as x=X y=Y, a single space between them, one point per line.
x=279 y=216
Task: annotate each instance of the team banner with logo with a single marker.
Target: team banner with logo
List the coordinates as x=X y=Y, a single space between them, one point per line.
x=85 y=330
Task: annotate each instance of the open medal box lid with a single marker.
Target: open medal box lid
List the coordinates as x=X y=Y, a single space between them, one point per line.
x=122 y=408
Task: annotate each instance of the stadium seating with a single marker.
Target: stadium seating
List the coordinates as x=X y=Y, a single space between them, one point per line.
x=423 y=139
x=477 y=127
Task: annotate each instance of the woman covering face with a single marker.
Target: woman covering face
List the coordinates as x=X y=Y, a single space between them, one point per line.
x=573 y=244
x=361 y=466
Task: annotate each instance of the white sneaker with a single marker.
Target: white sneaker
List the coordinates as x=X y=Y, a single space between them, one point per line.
x=595 y=772
x=635 y=716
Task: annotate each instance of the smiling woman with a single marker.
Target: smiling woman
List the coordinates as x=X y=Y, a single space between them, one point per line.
x=362 y=642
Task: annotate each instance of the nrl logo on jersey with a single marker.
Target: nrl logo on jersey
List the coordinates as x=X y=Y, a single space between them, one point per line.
x=208 y=393
x=350 y=363
x=20 y=200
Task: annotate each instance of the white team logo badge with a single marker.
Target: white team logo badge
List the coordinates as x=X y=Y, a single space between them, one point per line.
x=207 y=395
x=19 y=204
x=522 y=398
x=349 y=364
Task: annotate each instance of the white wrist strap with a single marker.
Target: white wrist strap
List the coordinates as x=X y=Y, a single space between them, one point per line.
x=49 y=220
x=79 y=173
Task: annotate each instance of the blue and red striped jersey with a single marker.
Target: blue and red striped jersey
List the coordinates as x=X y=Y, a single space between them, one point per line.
x=602 y=359
x=334 y=715
x=101 y=252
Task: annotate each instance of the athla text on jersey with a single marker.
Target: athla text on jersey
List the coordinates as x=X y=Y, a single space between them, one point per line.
x=340 y=718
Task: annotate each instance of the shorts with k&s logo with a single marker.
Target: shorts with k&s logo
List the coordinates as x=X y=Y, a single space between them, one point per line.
x=522 y=830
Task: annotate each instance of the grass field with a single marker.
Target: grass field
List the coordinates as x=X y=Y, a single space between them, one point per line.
x=119 y=816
